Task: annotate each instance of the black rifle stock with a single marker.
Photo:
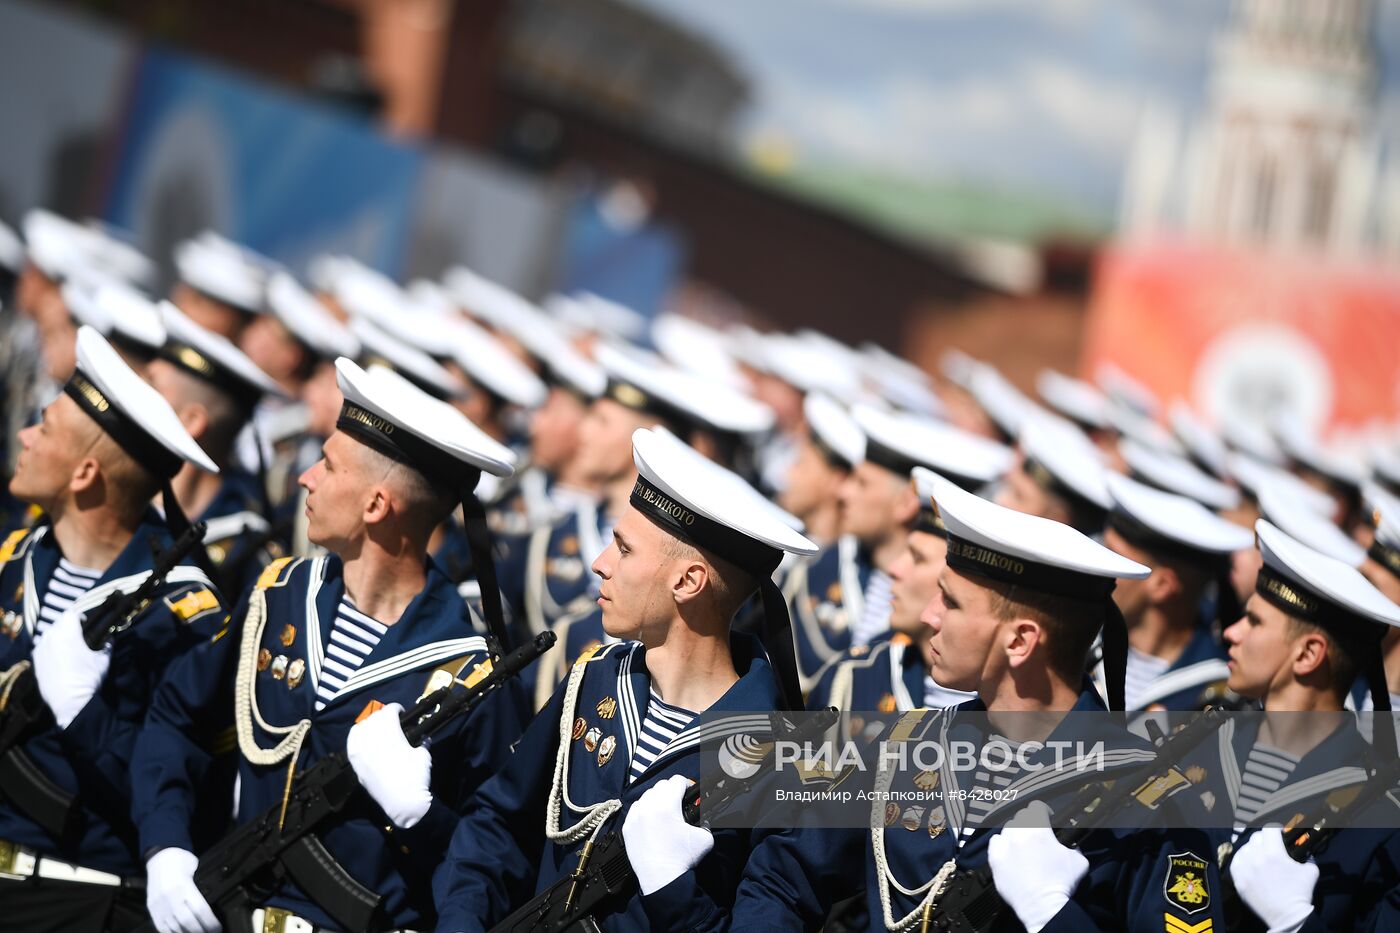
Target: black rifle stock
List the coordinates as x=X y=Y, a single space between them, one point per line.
x=971 y=904
x=604 y=873
x=281 y=844
x=23 y=712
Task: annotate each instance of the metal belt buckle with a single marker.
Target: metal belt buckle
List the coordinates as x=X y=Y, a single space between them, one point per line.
x=9 y=852
x=275 y=919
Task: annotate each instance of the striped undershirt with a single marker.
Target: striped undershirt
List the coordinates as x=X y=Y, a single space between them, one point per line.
x=876 y=617
x=353 y=637
x=1141 y=671
x=663 y=723
x=986 y=779
x=69 y=581
x=1264 y=772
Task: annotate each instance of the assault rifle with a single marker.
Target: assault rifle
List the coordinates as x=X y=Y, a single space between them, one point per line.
x=970 y=903
x=603 y=872
x=281 y=843
x=23 y=713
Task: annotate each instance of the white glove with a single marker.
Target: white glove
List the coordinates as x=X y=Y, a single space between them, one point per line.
x=661 y=845
x=173 y=901
x=69 y=672
x=395 y=773
x=1278 y=889
x=1033 y=872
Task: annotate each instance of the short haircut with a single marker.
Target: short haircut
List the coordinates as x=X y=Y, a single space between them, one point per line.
x=1347 y=651
x=730 y=582
x=424 y=504
x=130 y=486
x=226 y=417
x=1068 y=639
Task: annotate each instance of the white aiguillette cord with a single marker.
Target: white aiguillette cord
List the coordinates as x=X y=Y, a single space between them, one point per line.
x=245 y=703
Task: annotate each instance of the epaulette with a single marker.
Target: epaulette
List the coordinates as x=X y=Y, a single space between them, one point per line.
x=594 y=653
x=193 y=603
x=277 y=572
x=11 y=548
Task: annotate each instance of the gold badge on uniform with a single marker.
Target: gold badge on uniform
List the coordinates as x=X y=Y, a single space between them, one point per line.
x=887 y=703
x=264 y=659
x=279 y=667
x=607 y=707
x=217 y=553
x=289 y=635
x=591 y=737
x=1185 y=884
x=937 y=821
x=569 y=545
x=891 y=814
x=295 y=671
x=833 y=593
x=11 y=622
x=926 y=780
x=913 y=818
x=1195 y=774
x=580 y=727
x=606 y=749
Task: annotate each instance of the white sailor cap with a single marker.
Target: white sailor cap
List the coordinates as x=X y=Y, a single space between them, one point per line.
x=117 y=256
x=695 y=347
x=1308 y=452
x=1073 y=398
x=486 y=300
x=56 y=245
x=370 y=294
x=391 y=414
x=730 y=481
x=493 y=367
x=928 y=520
x=127 y=318
x=1141 y=429
x=645 y=383
x=599 y=315
x=989 y=540
x=1006 y=405
x=833 y=430
x=130 y=411
x=805 y=364
x=1249 y=438
x=11 y=249
x=1279 y=506
x=901 y=442
x=1315 y=587
x=1125 y=390
x=560 y=363
x=221 y=272
x=214 y=359
x=1254 y=476
x=1176 y=474
x=1169 y=525
x=1385 y=516
x=1202 y=444
x=1061 y=460
x=379 y=346
x=307 y=320
x=899 y=382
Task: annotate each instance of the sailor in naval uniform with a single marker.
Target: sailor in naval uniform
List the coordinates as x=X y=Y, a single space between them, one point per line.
x=128 y=320
x=214 y=388
x=1059 y=474
x=1021 y=600
x=689 y=549
x=1312 y=626
x=329 y=652
x=219 y=286
x=893 y=676
x=1381 y=567
x=102 y=450
x=849 y=583
x=1175 y=660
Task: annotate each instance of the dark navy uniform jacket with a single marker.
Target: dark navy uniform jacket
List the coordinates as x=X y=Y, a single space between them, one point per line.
x=1195 y=679
x=795 y=875
x=578 y=634
x=196 y=700
x=91 y=758
x=501 y=855
x=825 y=596
x=237 y=539
x=1358 y=886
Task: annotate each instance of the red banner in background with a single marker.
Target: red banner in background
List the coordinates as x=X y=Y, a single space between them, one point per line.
x=1241 y=335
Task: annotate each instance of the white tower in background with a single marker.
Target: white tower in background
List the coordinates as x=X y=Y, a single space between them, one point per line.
x=1288 y=157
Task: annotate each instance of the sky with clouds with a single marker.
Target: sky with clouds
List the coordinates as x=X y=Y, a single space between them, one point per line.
x=1036 y=96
